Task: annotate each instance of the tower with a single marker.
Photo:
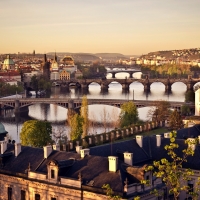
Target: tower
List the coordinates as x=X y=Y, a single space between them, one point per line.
x=46 y=68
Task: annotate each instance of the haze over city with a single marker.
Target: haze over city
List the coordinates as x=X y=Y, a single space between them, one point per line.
x=131 y=27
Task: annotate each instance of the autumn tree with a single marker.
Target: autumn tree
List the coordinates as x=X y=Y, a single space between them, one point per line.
x=160 y=111
x=128 y=114
x=36 y=133
x=84 y=115
x=175 y=121
x=171 y=170
x=76 y=125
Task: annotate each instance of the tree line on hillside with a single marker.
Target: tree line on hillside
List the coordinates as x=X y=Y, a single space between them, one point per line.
x=170 y=70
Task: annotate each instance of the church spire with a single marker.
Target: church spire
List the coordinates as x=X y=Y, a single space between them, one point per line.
x=55 y=57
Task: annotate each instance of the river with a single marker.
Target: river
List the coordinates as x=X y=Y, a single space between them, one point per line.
x=97 y=113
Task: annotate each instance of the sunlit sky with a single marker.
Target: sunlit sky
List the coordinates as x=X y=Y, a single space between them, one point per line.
x=130 y=27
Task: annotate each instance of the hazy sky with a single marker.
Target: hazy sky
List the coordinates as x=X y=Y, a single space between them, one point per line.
x=91 y=26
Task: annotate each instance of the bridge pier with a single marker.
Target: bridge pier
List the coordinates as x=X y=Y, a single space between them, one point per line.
x=17 y=105
x=113 y=75
x=104 y=87
x=84 y=86
x=168 y=87
x=125 y=86
x=131 y=75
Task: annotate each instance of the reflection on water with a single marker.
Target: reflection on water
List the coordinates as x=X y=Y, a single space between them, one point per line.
x=97 y=113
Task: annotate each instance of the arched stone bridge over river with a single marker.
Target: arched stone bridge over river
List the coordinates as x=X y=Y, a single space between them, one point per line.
x=22 y=104
x=104 y=83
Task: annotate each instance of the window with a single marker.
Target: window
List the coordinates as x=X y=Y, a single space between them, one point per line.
x=23 y=195
x=52 y=173
x=190 y=187
x=37 y=197
x=9 y=193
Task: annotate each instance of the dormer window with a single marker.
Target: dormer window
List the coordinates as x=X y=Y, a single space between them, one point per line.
x=52 y=173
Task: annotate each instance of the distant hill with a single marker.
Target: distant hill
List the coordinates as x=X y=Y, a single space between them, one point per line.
x=90 y=56
x=193 y=53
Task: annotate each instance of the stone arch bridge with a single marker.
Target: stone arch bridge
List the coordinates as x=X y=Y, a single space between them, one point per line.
x=21 y=103
x=146 y=82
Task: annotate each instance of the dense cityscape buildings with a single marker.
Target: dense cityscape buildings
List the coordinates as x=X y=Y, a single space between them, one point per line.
x=99 y=100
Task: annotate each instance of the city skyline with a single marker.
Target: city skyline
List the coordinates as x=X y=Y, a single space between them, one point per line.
x=128 y=27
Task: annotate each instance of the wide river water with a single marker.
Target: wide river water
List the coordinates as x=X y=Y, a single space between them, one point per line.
x=97 y=113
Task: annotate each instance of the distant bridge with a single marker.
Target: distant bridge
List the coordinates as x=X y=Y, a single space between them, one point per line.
x=130 y=71
x=146 y=82
x=68 y=103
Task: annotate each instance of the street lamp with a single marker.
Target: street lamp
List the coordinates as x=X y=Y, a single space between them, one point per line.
x=133 y=95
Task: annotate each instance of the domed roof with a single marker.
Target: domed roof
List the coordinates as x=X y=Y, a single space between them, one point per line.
x=8 y=61
x=68 y=58
x=2 y=129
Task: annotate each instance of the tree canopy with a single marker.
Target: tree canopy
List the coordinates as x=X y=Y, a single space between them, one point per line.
x=36 y=133
x=171 y=171
x=175 y=121
x=76 y=125
x=84 y=114
x=129 y=114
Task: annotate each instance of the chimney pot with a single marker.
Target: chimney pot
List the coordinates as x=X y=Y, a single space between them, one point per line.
x=78 y=148
x=17 y=149
x=158 y=140
x=128 y=158
x=139 y=140
x=56 y=147
x=47 y=151
x=113 y=163
x=84 y=152
x=3 y=146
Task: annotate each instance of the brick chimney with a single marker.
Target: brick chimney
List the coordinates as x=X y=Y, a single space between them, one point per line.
x=84 y=152
x=113 y=163
x=47 y=151
x=17 y=149
x=128 y=158
x=139 y=140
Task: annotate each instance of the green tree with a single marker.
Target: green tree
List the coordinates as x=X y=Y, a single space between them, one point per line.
x=190 y=96
x=171 y=170
x=128 y=114
x=185 y=110
x=76 y=125
x=110 y=193
x=36 y=133
x=84 y=114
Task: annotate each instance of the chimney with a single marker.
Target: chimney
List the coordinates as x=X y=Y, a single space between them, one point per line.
x=3 y=146
x=17 y=149
x=158 y=140
x=56 y=147
x=113 y=163
x=167 y=135
x=193 y=143
x=84 y=152
x=6 y=139
x=139 y=140
x=78 y=148
x=47 y=151
x=128 y=158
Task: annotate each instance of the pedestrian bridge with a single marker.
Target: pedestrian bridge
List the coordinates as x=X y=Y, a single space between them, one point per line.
x=69 y=103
